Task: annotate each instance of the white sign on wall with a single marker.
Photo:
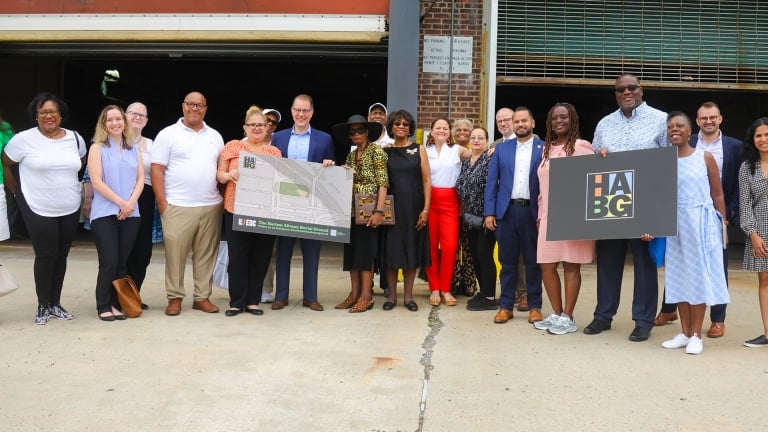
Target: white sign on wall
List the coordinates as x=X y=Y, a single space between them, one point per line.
x=437 y=54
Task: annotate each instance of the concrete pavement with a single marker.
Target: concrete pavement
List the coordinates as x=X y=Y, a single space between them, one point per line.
x=439 y=369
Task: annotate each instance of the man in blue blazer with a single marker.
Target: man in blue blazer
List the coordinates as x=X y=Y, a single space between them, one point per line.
x=727 y=152
x=511 y=210
x=301 y=142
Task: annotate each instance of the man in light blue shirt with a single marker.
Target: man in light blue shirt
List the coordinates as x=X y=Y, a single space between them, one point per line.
x=634 y=126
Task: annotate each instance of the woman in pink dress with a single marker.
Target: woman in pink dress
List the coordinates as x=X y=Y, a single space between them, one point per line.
x=562 y=140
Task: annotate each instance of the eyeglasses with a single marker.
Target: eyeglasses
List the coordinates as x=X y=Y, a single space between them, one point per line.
x=504 y=120
x=710 y=118
x=191 y=105
x=631 y=87
x=255 y=125
x=357 y=131
x=272 y=122
x=401 y=123
x=301 y=111
x=477 y=138
x=137 y=115
x=44 y=114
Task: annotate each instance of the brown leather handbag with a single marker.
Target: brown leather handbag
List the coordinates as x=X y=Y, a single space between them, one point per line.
x=128 y=296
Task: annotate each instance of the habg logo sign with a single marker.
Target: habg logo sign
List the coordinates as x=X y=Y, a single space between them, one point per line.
x=610 y=195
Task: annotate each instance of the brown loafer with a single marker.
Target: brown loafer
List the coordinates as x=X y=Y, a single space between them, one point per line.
x=279 y=304
x=716 y=330
x=205 y=305
x=315 y=306
x=534 y=315
x=664 y=318
x=502 y=316
x=174 y=307
x=522 y=305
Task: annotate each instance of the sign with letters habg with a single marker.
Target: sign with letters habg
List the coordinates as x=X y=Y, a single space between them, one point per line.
x=624 y=195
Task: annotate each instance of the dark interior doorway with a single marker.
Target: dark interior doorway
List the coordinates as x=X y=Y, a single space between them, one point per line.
x=340 y=86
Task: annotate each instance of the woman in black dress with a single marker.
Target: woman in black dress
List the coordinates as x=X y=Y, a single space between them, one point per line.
x=406 y=244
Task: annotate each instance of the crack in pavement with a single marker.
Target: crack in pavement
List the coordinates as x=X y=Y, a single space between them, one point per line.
x=430 y=341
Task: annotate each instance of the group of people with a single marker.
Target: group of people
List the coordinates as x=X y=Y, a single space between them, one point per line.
x=457 y=197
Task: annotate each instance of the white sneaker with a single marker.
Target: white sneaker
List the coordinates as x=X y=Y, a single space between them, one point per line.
x=679 y=341
x=564 y=325
x=695 y=346
x=546 y=322
x=267 y=297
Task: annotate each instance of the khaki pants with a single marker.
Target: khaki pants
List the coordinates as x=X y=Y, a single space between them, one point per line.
x=195 y=229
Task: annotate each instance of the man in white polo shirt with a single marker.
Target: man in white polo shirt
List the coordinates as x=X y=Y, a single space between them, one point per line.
x=184 y=161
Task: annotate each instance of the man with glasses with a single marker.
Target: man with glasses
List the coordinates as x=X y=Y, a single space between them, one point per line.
x=185 y=156
x=634 y=126
x=727 y=153
x=301 y=142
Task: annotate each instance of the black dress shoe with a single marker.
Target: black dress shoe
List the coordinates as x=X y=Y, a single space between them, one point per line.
x=256 y=312
x=107 y=318
x=388 y=305
x=412 y=306
x=232 y=312
x=119 y=317
x=640 y=334
x=597 y=326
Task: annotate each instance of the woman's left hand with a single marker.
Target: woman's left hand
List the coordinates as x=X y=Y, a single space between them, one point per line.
x=646 y=237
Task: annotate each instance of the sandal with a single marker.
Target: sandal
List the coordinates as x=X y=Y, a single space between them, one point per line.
x=434 y=300
x=450 y=300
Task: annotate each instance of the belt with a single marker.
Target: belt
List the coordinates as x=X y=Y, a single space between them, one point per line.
x=520 y=202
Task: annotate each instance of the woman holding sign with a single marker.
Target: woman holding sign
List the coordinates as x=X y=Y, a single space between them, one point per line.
x=249 y=253
x=563 y=139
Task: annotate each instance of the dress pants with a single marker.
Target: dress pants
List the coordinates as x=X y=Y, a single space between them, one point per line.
x=51 y=240
x=141 y=253
x=195 y=229
x=114 y=241
x=249 y=256
x=310 y=252
x=516 y=233
x=443 y=224
x=611 y=255
x=481 y=243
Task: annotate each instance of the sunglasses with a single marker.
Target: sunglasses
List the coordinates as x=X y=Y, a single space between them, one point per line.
x=631 y=88
x=357 y=131
x=401 y=123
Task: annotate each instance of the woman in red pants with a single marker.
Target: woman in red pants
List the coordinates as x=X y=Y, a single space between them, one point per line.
x=444 y=167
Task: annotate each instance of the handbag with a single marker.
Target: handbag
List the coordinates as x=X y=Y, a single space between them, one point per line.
x=8 y=283
x=366 y=203
x=128 y=296
x=475 y=222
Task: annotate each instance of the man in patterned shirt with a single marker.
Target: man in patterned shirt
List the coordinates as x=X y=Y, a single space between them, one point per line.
x=634 y=126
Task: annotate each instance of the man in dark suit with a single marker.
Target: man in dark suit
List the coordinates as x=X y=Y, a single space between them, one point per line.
x=727 y=153
x=511 y=210
x=301 y=142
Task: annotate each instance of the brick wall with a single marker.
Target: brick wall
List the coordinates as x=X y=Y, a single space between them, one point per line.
x=465 y=99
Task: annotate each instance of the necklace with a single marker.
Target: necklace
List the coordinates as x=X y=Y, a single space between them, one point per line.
x=51 y=135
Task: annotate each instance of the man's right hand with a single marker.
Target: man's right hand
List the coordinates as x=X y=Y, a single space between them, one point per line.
x=161 y=206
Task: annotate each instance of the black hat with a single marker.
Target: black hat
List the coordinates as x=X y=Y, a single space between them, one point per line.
x=341 y=130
